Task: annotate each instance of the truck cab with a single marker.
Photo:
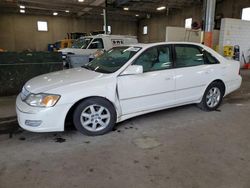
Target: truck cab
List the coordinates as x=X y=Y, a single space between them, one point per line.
x=89 y=45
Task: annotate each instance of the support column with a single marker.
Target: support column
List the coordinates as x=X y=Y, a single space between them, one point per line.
x=209 y=22
x=105 y=18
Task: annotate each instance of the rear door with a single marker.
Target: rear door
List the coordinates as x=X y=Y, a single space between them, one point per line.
x=192 y=74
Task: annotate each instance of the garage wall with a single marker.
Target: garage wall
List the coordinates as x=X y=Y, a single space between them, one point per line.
x=235 y=32
x=19 y=32
x=231 y=8
x=157 y=23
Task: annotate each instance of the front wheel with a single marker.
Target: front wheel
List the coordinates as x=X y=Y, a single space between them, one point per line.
x=94 y=116
x=212 y=97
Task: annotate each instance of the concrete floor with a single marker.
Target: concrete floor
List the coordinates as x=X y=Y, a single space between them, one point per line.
x=181 y=148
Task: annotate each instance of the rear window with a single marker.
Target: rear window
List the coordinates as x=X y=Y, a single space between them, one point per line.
x=188 y=55
x=210 y=58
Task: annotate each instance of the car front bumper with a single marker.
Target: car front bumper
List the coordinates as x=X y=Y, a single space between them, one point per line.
x=38 y=119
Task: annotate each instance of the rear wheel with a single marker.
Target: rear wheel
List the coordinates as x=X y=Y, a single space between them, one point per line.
x=212 y=97
x=94 y=116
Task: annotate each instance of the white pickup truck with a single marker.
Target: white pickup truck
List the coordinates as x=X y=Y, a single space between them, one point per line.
x=89 y=45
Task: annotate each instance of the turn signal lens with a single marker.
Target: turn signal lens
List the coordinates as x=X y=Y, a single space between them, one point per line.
x=50 y=100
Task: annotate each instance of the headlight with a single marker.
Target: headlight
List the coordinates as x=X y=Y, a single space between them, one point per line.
x=42 y=100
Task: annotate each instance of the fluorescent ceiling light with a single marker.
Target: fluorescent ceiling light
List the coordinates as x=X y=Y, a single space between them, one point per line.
x=67 y=11
x=55 y=13
x=22 y=11
x=161 y=8
x=80 y=1
x=137 y=15
x=22 y=7
x=125 y=8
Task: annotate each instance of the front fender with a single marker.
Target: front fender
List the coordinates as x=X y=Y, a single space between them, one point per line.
x=73 y=93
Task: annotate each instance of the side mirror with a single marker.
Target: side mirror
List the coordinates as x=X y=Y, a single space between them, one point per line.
x=133 y=69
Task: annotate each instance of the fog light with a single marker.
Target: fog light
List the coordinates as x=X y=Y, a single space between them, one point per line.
x=33 y=123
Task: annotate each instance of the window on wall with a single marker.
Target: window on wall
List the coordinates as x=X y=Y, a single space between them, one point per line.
x=245 y=14
x=145 y=30
x=42 y=26
x=109 y=29
x=188 y=23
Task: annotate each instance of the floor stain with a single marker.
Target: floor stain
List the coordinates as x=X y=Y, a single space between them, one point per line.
x=22 y=138
x=135 y=161
x=59 y=140
x=146 y=143
x=147 y=167
x=156 y=158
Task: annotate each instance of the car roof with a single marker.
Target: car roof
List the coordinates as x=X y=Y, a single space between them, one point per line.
x=148 y=45
x=110 y=36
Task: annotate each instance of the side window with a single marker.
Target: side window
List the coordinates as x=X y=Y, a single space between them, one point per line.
x=210 y=58
x=96 y=44
x=156 y=58
x=147 y=59
x=164 y=59
x=188 y=55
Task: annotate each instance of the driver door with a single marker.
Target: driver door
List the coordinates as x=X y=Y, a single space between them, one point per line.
x=152 y=89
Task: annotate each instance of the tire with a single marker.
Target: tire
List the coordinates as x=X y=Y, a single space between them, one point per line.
x=94 y=116
x=212 y=97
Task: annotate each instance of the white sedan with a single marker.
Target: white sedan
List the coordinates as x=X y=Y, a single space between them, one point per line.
x=125 y=82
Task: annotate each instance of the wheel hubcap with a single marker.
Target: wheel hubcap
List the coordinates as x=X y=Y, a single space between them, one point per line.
x=213 y=97
x=95 y=118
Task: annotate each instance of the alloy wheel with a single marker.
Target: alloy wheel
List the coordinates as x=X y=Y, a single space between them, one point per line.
x=213 y=97
x=95 y=118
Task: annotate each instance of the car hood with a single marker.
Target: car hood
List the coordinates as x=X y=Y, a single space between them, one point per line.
x=53 y=80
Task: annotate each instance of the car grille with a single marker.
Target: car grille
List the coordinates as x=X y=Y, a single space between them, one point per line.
x=24 y=94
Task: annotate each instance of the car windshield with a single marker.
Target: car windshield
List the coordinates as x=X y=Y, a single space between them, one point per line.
x=112 y=60
x=81 y=43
